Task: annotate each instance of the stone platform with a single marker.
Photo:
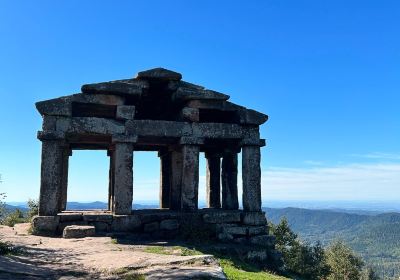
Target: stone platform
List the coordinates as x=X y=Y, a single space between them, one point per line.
x=235 y=227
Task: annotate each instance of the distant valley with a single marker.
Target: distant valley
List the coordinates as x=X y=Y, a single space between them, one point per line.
x=376 y=237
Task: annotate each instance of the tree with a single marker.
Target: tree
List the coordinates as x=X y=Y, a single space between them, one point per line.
x=302 y=259
x=33 y=206
x=344 y=263
x=369 y=274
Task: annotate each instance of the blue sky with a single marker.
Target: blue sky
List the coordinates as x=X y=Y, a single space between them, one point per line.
x=326 y=72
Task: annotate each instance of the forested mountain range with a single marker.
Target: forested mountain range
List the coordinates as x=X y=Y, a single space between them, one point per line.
x=376 y=237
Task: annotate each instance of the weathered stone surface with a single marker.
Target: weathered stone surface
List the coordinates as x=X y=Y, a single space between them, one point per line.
x=190 y=114
x=194 y=94
x=51 y=178
x=159 y=74
x=169 y=224
x=78 y=231
x=123 y=179
x=45 y=224
x=225 y=237
x=70 y=217
x=90 y=125
x=151 y=227
x=263 y=240
x=213 y=180
x=100 y=226
x=129 y=87
x=229 y=181
x=222 y=216
x=106 y=218
x=176 y=179
x=244 y=230
x=190 y=177
x=257 y=255
x=125 y=223
x=249 y=116
x=125 y=112
x=254 y=218
x=251 y=178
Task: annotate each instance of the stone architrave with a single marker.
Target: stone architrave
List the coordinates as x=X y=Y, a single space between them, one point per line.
x=123 y=179
x=51 y=177
x=229 y=181
x=165 y=179
x=213 y=180
x=176 y=180
x=251 y=176
x=190 y=177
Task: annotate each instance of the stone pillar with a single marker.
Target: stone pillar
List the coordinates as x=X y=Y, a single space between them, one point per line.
x=213 y=180
x=251 y=176
x=51 y=177
x=190 y=177
x=123 y=178
x=176 y=180
x=110 y=153
x=64 y=180
x=229 y=181
x=165 y=178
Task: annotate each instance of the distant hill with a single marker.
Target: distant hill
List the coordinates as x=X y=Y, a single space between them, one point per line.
x=375 y=237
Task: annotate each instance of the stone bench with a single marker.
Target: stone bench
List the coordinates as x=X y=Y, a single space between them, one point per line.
x=78 y=231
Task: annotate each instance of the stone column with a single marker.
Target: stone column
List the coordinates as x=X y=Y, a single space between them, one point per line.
x=123 y=178
x=51 y=177
x=190 y=177
x=251 y=176
x=64 y=180
x=213 y=180
x=110 y=153
x=229 y=181
x=176 y=180
x=165 y=178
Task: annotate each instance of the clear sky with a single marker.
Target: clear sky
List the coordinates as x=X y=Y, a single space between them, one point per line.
x=326 y=72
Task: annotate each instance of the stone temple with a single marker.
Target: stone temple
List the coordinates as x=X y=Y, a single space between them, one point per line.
x=156 y=111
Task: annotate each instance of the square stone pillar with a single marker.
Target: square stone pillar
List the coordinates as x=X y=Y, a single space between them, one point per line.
x=110 y=153
x=213 y=180
x=51 y=178
x=229 y=181
x=176 y=180
x=190 y=177
x=64 y=180
x=165 y=178
x=123 y=178
x=251 y=176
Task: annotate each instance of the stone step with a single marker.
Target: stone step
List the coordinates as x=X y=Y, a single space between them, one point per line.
x=78 y=231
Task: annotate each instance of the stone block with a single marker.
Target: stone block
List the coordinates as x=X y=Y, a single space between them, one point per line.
x=169 y=224
x=190 y=114
x=70 y=217
x=159 y=74
x=125 y=223
x=106 y=218
x=263 y=240
x=101 y=226
x=254 y=218
x=257 y=255
x=62 y=225
x=225 y=237
x=244 y=230
x=78 y=231
x=216 y=217
x=125 y=112
x=45 y=224
x=151 y=227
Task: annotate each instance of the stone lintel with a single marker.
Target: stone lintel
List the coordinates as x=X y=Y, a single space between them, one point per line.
x=90 y=125
x=186 y=94
x=252 y=117
x=123 y=138
x=191 y=141
x=125 y=112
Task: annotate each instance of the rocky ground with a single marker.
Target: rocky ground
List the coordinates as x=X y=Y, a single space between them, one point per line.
x=96 y=258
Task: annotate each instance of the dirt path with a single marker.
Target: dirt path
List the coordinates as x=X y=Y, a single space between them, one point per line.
x=95 y=258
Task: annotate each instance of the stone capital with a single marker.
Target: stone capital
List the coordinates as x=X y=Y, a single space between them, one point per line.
x=50 y=135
